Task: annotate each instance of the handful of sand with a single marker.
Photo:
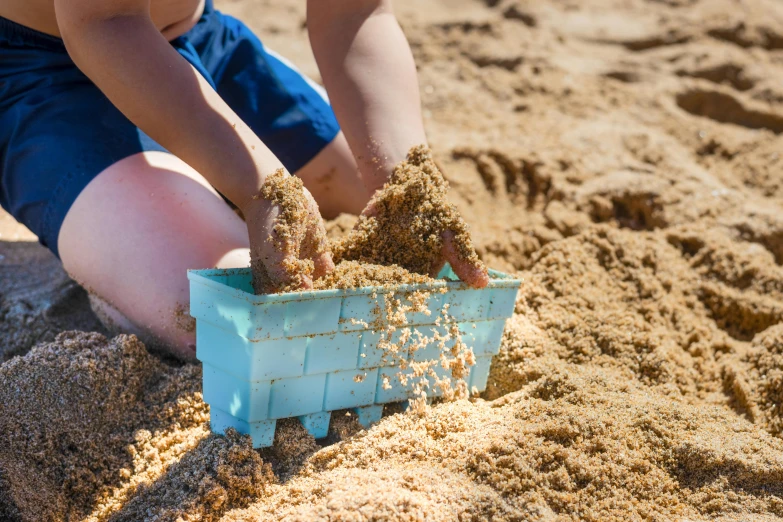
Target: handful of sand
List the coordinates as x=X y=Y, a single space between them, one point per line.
x=399 y=241
x=409 y=221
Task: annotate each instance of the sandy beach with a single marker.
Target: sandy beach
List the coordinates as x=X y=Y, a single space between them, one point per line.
x=623 y=158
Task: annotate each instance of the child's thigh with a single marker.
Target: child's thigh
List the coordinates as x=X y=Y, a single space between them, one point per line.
x=135 y=230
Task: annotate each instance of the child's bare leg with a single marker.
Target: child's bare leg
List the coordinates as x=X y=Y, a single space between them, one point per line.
x=333 y=178
x=136 y=229
x=114 y=320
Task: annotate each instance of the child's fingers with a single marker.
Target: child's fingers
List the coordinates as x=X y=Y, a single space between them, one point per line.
x=371 y=209
x=323 y=265
x=474 y=274
x=316 y=245
x=298 y=280
x=288 y=274
x=437 y=266
x=291 y=247
x=282 y=259
x=316 y=248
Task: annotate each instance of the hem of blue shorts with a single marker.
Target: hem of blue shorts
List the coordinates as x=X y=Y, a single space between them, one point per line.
x=18 y=34
x=297 y=156
x=49 y=213
x=65 y=195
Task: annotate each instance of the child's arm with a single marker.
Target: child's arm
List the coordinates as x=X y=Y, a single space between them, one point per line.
x=116 y=44
x=369 y=72
x=370 y=75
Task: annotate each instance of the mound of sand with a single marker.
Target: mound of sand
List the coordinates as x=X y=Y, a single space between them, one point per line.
x=580 y=443
x=623 y=158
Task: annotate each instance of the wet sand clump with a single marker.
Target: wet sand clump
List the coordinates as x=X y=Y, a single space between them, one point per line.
x=92 y=429
x=409 y=218
x=70 y=412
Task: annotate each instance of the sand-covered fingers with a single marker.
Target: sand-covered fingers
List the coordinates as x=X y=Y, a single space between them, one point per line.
x=316 y=246
x=274 y=257
x=464 y=261
x=288 y=246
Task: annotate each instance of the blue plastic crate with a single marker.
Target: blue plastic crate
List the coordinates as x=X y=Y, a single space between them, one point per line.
x=305 y=354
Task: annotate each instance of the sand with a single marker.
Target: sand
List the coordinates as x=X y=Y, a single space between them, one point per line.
x=398 y=340
x=407 y=222
x=353 y=274
x=623 y=159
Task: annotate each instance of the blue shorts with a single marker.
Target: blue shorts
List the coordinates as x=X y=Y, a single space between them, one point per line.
x=58 y=131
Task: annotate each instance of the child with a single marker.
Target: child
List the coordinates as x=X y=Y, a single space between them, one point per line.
x=124 y=123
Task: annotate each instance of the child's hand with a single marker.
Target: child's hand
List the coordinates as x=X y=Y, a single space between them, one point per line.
x=474 y=274
x=288 y=246
x=410 y=223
